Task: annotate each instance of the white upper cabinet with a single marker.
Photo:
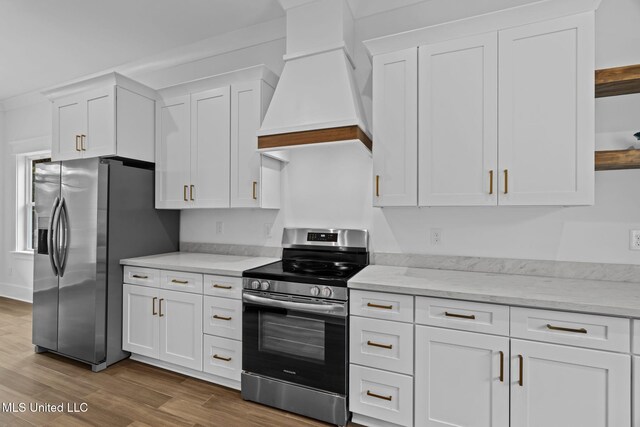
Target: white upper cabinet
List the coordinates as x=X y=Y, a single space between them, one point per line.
x=505 y=117
x=106 y=116
x=458 y=122
x=395 y=128
x=210 y=118
x=546 y=131
x=207 y=147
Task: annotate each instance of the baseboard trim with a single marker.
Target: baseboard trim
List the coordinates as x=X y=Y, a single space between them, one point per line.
x=16 y=292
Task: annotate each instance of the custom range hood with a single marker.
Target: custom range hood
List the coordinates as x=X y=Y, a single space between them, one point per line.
x=317 y=100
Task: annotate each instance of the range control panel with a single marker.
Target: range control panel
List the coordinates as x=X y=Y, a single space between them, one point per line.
x=322 y=237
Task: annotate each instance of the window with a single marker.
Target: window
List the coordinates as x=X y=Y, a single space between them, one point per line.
x=30 y=209
x=25 y=198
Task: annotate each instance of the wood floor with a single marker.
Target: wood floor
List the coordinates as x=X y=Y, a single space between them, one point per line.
x=126 y=394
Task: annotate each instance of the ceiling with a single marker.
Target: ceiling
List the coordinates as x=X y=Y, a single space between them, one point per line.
x=48 y=42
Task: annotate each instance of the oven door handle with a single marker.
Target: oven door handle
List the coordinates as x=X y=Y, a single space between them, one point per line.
x=301 y=306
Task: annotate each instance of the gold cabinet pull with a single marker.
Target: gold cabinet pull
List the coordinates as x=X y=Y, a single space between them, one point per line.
x=138 y=276
x=192 y=192
x=184 y=193
x=160 y=308
x=255 y=190
x=153 y=306
x=82 y=140
x=560 y=328
x=521 y=370
x=506 y=181
x=460 y=316
x=222 y=286
x=77 y=142
x=379 y=396
x=226 y=359
x=375 y=344
x=501 y=366
x=179 y=282
x=215 y=316
x=384 y=307
x=491 y=181
x=377 y=185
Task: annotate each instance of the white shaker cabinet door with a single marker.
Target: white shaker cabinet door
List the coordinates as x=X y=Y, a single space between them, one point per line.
x=461 y=379
x=458 y=122
x=560 y=386
x=210 y=148
x=140 y=326
x=173 y=154
x=98 y=138
x=395 y=128
x=546 y=113
x=180 y=316
x=68 y=125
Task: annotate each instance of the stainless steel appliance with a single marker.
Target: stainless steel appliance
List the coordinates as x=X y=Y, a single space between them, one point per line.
x=295 y=323
x=91 y=213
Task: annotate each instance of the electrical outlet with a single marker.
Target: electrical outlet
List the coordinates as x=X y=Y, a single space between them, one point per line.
x=219 y=227
x=436 y=236
x=634 y=240
x=267 y=230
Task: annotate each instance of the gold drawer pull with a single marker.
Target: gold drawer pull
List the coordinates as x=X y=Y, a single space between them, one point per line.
x=460 y=316
x=180 y=282
x=521 y=370
x=82 y=137
x=192 y=192
x=377 y=185
x=375 y=344
x=160 y=307
x=501 y=366
x=139 y=276
x=385 y=307
x=378 y=396
x=77 y=143
x=226 y=359
x=215 y=316
x=222 y=286
x=184 y=193
x=560 y=328
x=255 y=190
x=153 y=306
x=491 y=181
x=506 y=181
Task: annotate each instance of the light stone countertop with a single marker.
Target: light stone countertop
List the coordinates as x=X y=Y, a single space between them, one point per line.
x=589 y=296
x=224 y=265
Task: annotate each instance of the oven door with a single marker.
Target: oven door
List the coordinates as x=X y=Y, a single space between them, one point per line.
x=295 y=339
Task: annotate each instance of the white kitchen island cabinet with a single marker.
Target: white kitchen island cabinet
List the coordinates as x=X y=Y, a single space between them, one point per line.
x=109 y=115
x=461 y=379
x=560 y=386
x=207 y=148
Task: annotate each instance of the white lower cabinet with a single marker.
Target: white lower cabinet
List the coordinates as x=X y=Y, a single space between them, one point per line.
x=636 y=391
x=223 y=357
x=223 y=317
x=462 y=379
x=560 y=386
x=165 y=325
x=381 y=395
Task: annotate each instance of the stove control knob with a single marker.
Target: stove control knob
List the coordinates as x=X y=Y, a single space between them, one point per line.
x=326 y=292
x=265 y=285
x=255 y=284
x=315 y=291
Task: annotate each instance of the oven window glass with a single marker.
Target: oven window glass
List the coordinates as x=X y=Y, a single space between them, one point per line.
x=293 y=336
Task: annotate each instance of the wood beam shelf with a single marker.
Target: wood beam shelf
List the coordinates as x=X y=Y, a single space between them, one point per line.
x=617 y=159
x=618 y=81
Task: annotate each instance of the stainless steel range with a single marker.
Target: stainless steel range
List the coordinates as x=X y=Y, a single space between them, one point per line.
x=295 y=323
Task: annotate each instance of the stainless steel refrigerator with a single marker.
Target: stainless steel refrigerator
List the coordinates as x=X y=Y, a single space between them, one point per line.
x=90 y=214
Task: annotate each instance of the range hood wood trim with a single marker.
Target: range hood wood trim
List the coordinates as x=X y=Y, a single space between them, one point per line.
x=317 y=136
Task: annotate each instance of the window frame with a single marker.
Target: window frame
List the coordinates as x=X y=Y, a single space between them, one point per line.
x=24 y=201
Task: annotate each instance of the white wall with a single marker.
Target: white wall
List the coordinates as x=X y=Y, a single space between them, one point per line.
x=331 y=186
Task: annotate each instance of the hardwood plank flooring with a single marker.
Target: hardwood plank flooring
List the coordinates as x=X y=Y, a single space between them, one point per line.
x=126 y=394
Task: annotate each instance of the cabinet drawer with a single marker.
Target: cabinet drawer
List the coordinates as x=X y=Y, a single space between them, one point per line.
x=381 y=344
x=142 y=276
x=582 y=330
x=380 y=305
x=223 y=286
x=223 y=317
x=464 y=315
x=180 y=281
x=636 y=337
x=382 y=395
x=223 y=357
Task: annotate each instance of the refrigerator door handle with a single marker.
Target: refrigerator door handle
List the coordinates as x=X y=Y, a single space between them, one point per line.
x=64 y=245
x=51 y=248
x=55 y=238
